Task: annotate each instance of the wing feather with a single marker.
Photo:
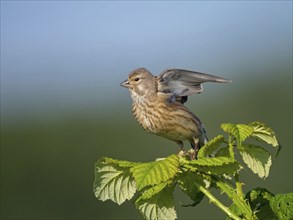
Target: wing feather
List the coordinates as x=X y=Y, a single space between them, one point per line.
x=181 y=82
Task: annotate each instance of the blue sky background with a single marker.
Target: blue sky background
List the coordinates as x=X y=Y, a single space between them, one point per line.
x=72 y=52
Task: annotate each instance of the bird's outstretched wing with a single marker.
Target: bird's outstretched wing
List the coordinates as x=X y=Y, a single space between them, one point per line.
x=182 y=83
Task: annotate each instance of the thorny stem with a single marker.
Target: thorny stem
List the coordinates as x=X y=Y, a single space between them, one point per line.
x=231 y=151
x=218 y=203
x=239 y=186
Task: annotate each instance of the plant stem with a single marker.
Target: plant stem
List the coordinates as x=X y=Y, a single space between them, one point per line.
x=231 y=150
x=218 y=203
x=238 y=186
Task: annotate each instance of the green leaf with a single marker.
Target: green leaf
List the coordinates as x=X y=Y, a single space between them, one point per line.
x=214 y=161
x=229 y=169
x=160 y=206
x=209 y=148
x=223 y=152
x=259 y=200
x=239 y=131
x=150 y=192
x=113 y=182
x=282 y=206
x=255 y=194
x=264 y=133
x=257 y=159
x=270 y=206
x=215 y=165
x=153 y=173
x=120 y=163
x=189 y=183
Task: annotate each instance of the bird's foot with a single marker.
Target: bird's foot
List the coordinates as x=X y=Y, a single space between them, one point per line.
x=182 y=153
x=192 y=154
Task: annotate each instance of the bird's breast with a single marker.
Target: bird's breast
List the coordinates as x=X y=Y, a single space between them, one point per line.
x=172 y=121
x=146 y=115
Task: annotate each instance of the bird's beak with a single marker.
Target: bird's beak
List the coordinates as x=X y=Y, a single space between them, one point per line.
x=125 y=84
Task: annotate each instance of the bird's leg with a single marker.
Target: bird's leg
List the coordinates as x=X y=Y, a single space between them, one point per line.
x=194 y=145
x=180 y=144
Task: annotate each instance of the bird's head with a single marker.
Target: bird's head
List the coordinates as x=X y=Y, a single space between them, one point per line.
x=140 y=83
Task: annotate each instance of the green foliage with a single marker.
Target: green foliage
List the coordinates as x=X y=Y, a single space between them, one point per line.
x=258 y=159
x=243 y=207
x=282 y=206
x=239 y=131
x=216 y=167
x=113 y=182
x=264 y=133
x=153 y=173
x=189 y=182
x=159 y=206
x=210 y=147
x=269 y=206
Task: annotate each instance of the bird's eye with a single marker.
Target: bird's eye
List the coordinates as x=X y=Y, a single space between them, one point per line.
x=136 y=79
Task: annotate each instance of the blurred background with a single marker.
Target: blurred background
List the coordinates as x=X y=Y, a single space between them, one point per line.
x=62 y=107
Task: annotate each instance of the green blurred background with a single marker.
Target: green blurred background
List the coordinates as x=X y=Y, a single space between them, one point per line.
x=62 y=107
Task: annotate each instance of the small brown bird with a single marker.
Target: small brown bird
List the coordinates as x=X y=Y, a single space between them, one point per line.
x=158 y=103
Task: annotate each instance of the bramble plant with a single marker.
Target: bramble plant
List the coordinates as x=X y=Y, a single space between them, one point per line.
x=215 y=167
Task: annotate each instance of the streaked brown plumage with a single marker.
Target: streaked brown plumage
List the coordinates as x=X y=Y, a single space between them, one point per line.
x=158 y=103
